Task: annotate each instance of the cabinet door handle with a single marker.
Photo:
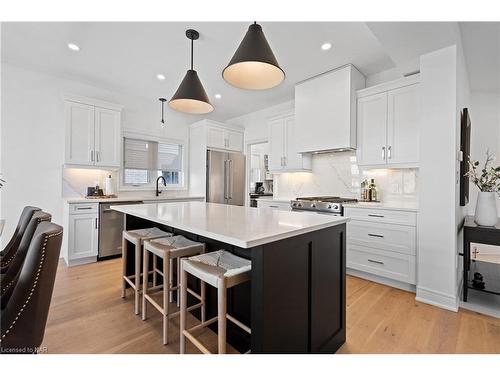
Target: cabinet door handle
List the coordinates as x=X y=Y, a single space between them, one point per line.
x=96 y=223
x=383 y=152
x=373 y=215
x=284 y=161
x=389 y=152
x=98 y=156
x=375 y=261
x=375 y=235
x=91 y=155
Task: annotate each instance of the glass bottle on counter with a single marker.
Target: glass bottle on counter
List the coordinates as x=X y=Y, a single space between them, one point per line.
x=372 y=191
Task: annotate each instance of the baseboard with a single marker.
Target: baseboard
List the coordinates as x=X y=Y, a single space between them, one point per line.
x=78 y=262
x=381 y=280
x=435 y=298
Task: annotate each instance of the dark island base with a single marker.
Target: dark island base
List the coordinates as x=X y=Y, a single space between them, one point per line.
x=295 y=302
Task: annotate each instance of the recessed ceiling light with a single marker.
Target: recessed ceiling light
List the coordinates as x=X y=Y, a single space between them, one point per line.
x=218 y=96
x=161 y=77
x=73 y=47
x=326 y=46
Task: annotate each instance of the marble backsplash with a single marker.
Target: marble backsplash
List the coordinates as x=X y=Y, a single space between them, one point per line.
x=339 y=174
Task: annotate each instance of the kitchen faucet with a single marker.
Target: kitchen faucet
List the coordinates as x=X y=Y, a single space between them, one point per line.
x=158 y=192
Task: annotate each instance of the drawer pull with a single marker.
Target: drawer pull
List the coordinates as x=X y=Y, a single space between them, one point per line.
x=373 y=215
x=375 y=235
x=84 y=208
x=273 y=206
x=375 y=261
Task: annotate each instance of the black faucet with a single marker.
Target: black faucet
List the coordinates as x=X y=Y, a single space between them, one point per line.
x=158 y=192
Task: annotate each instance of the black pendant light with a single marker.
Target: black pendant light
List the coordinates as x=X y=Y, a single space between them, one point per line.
x=253 y=66
x=162 y=122
x=191 y=97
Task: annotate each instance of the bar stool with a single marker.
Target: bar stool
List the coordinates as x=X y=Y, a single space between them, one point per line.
x=168 y=249
x=137 y=238
x=222 y=270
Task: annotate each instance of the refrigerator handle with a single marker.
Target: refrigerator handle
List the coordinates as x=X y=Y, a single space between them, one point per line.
x=230 y=179
x=225 y=179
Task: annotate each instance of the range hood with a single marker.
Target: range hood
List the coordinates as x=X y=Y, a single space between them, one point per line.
x=325 y=111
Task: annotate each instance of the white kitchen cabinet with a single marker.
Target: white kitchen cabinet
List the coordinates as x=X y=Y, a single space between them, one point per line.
x=276 y=205
x=325 y=110
x=372 y=129
x=283 y=155
x=387 y=124
x=107 y=137
x=382 y=243
x=402 y=125
x=92 y=133
x=79 y=133
x=83 y=224
x=222 y=138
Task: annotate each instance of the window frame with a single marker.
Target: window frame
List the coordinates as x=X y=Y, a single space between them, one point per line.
x=152 y=174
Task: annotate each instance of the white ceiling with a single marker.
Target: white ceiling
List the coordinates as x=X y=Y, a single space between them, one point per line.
x=126 y=57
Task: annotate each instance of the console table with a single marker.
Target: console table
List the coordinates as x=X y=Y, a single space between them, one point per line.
x=474 y=233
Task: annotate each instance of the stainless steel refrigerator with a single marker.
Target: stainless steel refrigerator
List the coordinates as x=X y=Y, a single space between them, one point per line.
x=226 y=177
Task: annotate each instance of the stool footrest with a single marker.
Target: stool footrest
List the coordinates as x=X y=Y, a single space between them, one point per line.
x=196 y=342
x=239 y=324
x=202 y=325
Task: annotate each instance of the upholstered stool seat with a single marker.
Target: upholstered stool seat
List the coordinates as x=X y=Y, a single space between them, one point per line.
x=168 y=249
x=137 y=238
x=222 y=270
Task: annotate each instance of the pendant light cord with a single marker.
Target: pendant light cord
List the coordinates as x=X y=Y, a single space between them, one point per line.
x=192 y=41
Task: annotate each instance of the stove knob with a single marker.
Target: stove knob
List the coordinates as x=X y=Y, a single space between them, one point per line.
x=329 y=206
x=313 y=205
x=300 y=205
x=294 y=204
x=335 y=206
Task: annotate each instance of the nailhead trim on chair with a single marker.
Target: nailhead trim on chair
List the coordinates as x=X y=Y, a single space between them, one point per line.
x=7 y=262
x=34 y=283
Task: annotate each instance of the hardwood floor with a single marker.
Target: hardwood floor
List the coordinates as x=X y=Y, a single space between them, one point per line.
x=88 y=315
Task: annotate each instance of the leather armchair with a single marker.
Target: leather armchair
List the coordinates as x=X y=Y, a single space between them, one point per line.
x=22 y=326
x=14 y=242
x=11 y=266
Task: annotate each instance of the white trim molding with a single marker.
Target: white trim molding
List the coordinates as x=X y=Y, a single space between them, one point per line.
x=439 y=299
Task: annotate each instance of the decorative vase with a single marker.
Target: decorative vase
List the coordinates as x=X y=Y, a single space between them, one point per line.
x=486 y=209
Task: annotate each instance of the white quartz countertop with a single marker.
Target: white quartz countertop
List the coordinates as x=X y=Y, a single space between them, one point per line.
x=133 y=199
x=395 y=205
x=236 y=225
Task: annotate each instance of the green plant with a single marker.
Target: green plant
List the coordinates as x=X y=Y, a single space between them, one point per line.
x=486 y=179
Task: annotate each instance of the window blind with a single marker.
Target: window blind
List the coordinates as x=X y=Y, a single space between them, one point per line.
x=169 y=157
x=140 y=154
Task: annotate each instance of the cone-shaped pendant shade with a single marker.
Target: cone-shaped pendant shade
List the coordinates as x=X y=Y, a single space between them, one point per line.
x=191 y=97
x=253 y=66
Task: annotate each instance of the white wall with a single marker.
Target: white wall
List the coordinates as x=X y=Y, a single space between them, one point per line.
x=485 y=134
x=437 y=224
x=32 y=136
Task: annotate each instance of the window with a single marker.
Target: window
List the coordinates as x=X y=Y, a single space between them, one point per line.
x=144 y=161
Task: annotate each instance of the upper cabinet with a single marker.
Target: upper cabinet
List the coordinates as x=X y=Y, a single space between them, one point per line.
x=92 y=134
x=325 y=110
x=283 y=156
x=222 y=138
x=388 y=116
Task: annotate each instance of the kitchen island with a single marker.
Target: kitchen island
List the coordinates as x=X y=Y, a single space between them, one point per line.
x=295 y=302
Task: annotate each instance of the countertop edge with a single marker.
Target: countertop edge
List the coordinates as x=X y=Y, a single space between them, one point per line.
x=381 y=206
x=127 y=199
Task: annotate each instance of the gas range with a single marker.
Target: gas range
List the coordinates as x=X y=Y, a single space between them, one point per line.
x=329 y=205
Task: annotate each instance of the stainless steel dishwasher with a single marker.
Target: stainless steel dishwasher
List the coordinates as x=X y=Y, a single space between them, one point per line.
x=110 y=229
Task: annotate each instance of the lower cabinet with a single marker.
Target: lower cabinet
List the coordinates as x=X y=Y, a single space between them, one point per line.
x=83 y=228
x=277 y=205
x=382 y=243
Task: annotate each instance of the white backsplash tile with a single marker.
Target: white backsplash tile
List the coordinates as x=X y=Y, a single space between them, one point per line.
x=339 y=174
